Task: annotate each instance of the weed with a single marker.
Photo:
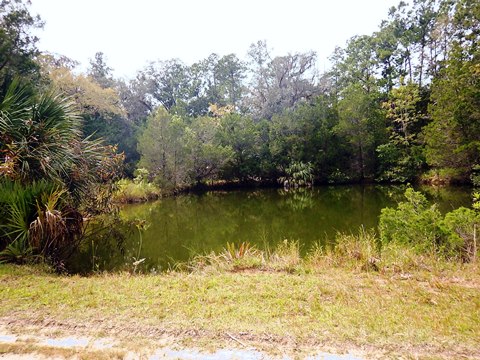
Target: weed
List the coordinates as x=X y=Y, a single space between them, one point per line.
x=141 y=225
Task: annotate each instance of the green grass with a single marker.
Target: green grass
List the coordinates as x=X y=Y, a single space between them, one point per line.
x=131 y=192
x=427 y=313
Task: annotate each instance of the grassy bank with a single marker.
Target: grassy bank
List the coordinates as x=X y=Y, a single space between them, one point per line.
x=412 y=306
x=135 y=191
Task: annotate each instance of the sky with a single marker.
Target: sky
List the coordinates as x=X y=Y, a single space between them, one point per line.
x=131 y=33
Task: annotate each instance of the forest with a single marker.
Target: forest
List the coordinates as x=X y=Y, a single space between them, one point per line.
x=400 y=105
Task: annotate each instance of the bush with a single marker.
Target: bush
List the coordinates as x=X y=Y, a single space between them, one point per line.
x=414 y=222
x=297 y=174
x=398 y=164
x=136 y=191
x=444 y=176
x=18 y=208
x=475 y=175
x=418 y=224
x=36 y=219
x=459 y=229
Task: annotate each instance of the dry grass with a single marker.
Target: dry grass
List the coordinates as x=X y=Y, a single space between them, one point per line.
x=46 y=352
x=426 y=312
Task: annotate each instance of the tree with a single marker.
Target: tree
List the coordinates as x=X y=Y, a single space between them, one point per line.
x=361 y=124
x=168 y=83
x=401 y=158
x=229 y=73
x=136 y=99
x=453 y=135
x=279 y=83
x=205 y=155
x=17 y=46
x=356 y=65
x=162 y=149
x=100 y=107
x=424 y=21
x=100 y=72
x=242 y=135
x=91 y=98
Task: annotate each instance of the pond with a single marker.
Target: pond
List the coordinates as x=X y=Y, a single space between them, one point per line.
x=183 y=226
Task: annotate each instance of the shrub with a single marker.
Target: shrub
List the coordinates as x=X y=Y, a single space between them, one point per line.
x=475 y=175
x=413 y=222
x=418 y=224
x=36 y=219
x=18 y=208
x=444 y=176
x=297 y=174
x=459 y=229
x=50 y=173
x=136 y=191
x=17 y=252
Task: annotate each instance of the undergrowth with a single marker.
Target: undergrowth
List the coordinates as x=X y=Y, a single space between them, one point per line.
x=358 y=252
x=131 y=191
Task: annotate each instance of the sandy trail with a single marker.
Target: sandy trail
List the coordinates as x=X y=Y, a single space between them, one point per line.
x=35 y=345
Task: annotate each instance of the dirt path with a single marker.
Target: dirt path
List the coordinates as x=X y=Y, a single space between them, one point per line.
x=36 y=337
x=51 y=342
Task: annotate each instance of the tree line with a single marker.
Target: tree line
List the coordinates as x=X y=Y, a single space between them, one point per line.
x=398 y=105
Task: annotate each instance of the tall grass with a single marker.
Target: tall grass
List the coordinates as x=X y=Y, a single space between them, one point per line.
x=361 y=252
x=356 y=251
x=130 y=191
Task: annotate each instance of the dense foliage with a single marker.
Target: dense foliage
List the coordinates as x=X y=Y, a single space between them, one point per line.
x=399 y=105
x=52 y=176
x=421 y=226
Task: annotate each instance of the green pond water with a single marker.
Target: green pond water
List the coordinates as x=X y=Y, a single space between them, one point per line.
x=183 y=226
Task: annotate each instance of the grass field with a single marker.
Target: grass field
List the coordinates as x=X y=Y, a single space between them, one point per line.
x=424 y=313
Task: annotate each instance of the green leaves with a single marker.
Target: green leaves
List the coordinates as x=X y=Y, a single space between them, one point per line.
x=178 y=152
x=297 y=174
x=401 y=158
x=18 y=207
x=38 y=135
x=414 y=222
x=418 y=224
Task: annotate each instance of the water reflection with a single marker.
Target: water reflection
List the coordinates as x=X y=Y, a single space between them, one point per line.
x=186 y=225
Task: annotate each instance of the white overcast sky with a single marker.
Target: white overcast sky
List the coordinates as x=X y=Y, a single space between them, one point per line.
x=133 y=32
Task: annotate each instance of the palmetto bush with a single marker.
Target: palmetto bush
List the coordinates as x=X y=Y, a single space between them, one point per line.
x=297 y=174
x=17 y=209
x=41 y=138
x=36 y=220
x=38 y=135
x=48 y=173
